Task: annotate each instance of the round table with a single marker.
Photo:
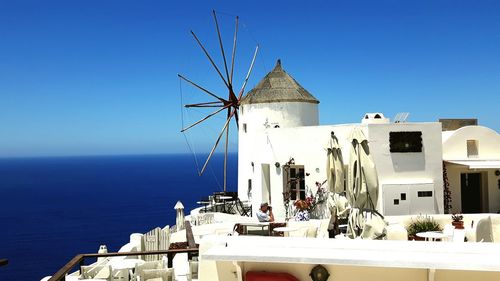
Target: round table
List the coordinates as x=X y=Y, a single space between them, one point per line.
x=125 y=263
x=432 y=235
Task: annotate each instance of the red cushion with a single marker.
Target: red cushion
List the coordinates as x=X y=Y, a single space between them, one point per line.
x=269 y=276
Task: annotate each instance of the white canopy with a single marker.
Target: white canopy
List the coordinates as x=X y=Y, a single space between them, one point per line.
x=334 y=166
x=477 y=164
x=362 y=190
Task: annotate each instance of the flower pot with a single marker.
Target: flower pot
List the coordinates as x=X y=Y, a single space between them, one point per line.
x=458 y=224
x=415 y=237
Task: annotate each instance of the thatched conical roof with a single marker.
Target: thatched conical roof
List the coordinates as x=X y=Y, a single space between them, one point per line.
x=278 y=86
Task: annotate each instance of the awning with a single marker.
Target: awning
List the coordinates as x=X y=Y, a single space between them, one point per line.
x=477 y=164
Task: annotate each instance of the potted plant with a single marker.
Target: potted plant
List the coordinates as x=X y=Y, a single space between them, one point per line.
x=421 y=224
x=457 y=222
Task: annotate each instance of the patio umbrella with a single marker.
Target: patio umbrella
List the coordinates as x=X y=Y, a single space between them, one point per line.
x=334 y=166
x=362 y=190
x=179 y=219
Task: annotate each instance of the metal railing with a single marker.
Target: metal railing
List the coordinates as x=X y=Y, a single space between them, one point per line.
x=80 y=259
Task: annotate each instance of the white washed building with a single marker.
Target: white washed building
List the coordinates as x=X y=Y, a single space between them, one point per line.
x=279 y=122
x=472 y=161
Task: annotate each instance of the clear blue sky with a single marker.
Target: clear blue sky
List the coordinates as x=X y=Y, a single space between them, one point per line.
x=100 y=77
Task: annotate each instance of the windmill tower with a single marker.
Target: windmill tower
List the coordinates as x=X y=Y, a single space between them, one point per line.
x=277 y=101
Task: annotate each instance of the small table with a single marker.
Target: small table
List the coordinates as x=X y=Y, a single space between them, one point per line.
x=125 y=263
x=434 y=235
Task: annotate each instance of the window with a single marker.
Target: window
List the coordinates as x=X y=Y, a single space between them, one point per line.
x=294 y=181
x=405 y=141
x=424 y=193
x=244 y=127
x=403 y=196
x=472 y=149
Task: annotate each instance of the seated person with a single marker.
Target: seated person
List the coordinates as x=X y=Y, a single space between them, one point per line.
x=262 y=213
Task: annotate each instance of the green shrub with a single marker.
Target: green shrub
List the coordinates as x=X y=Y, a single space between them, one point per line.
x=422 y=224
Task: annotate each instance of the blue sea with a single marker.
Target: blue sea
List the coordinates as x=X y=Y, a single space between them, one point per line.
x=52 y=209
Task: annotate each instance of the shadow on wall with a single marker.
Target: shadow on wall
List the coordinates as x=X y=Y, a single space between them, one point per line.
x=408 y=161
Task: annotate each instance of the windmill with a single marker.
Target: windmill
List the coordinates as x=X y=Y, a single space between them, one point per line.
x=229 y=105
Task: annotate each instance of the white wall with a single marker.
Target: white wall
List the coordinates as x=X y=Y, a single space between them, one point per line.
x=257 y=119
x=284 y=114
x=411 y=169
x=455 y=146
x=307 y=145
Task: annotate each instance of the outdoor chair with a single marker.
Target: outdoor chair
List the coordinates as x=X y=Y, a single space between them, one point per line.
x=95 y=272
x=240 y=207
x=164 y=274
x=139 y=268
x=484 y=231
x=322 y=231
x=205 y=219
x=120 y=274
x=397 y=231
x=301 y=232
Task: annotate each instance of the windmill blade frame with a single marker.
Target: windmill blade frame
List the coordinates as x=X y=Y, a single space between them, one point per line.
x=232 y=102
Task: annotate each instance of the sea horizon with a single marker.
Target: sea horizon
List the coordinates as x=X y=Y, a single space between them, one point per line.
x=53 y=208
x=112 y=155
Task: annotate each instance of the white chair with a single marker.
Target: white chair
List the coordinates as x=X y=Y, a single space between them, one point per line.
x=322 y=231
x=120 y=274
x=163 y=274
x=96 y=272
x=140 y=268
x=206 y=218
x=495 y=228
x=484 y=230
x=397 y=232
x=301 y=232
